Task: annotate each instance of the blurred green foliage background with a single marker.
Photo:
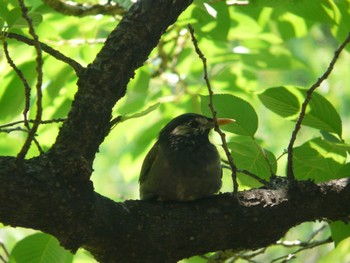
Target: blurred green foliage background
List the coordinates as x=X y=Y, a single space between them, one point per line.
x=250 y=47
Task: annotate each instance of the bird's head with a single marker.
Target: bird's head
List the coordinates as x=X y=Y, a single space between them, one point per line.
x=190 y=125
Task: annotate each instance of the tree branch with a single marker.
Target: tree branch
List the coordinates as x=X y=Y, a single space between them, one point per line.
x=70 y=9
x=118 y=232
x=49 y=50
x=104 y=82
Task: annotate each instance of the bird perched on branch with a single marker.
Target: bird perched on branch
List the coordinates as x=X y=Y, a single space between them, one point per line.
x=182 y=165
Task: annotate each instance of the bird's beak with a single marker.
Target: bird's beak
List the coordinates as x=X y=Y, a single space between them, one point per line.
x=223 y=121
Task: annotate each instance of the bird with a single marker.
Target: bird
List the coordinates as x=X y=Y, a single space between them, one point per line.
x=183 y=165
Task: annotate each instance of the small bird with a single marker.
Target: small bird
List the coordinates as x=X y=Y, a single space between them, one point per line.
x=183 y=165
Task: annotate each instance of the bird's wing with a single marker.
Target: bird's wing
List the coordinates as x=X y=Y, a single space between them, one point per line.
x=148 y=162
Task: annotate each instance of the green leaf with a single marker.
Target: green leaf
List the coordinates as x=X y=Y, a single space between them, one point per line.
x=229 y=106
x=286 y=102
x=148 y=133
x=320 y=11
x=12 y=99
x=291 y=26
x=2 y=23
x=318 y=160
x=137 y=94
x=15 y=19
x=344 y=171
x=281 y=101
x=267 y=3
x=36 y=18
x=40 y=248
x=322 y=115
x=222 y=27
x=338 y=254
x=3 y=9
x=62 y=108
x=340 y=231
x=335 y=141
x=142 y=113
x=213 y=21
x=248 y=155
x=12 y=16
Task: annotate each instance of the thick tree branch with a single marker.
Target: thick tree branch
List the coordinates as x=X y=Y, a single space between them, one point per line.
x=104 y=81
x=118 y=232
x=74 y=9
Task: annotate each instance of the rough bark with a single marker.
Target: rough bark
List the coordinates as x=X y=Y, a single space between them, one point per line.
x=104 y=81
x=36 y=197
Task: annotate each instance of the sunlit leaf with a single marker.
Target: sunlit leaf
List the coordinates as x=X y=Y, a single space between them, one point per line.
x=3 y=9
x=212 y=21
x=323 y=115
x=221 y=29
x=248 y=155
x=137 y=94
x=320 y=11
x=13 y=16
x=286 y=102
x=335 y=141
x=16 y=20
x=281 y=101
x=39 y=248
x=229 y=106
x=12 y=100
x=318 y=160
x=62 y=109
x=344 y=171
x=142 y=113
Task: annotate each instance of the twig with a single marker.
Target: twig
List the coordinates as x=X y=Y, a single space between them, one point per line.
x=290 y=172
x=7 y=254
x=53 y=52
x=115 y=121
x=9 y=130
x=232 y=256
x=32 y=121
x=26 y=88
x=211 y=106
x=248 y=255
x=25 y=84
x=316 y=232
x=246 y=172
x=39 y=60
x=13 y=65
x=304 y=246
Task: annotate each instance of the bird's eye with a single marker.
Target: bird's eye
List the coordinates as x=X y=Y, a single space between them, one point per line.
x=194 y=124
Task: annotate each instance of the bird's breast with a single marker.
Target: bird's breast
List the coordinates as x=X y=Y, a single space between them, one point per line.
x=185 y=173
